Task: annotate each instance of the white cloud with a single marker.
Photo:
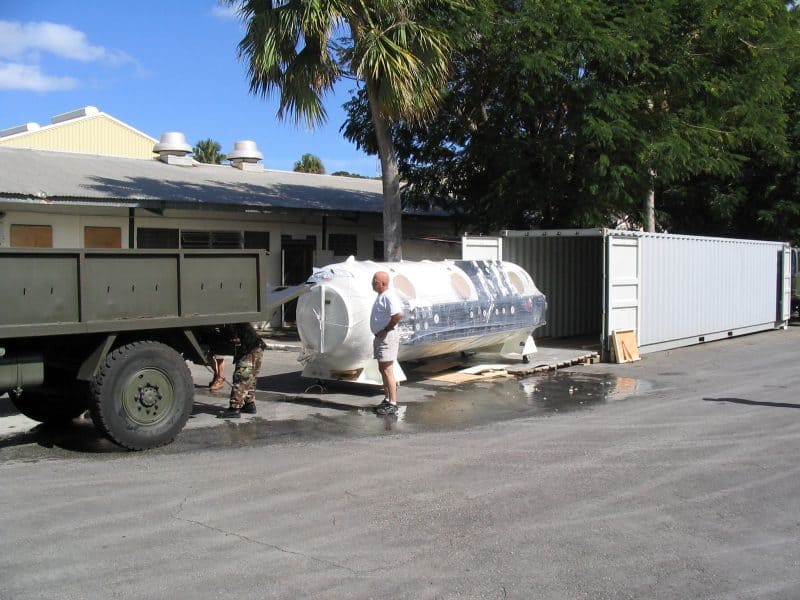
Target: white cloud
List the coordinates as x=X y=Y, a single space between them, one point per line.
x=29 y=77
x=24 y=44
x=225 y=12
x=20 y=39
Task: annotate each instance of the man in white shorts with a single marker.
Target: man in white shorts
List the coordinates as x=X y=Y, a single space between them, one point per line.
x=386 y=314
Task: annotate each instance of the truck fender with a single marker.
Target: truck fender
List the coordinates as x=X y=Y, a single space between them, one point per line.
x=195 y=351
x=90 y=367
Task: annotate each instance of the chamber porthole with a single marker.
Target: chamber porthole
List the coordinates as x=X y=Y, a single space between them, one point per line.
x=516 y=281
x=460 y=286
x=403 y=285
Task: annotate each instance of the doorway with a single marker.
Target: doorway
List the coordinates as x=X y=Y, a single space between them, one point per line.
x=297 y=258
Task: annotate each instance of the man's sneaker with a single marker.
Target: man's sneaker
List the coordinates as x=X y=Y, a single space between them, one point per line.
x=230 y=413
x=386 y=408
x=249 y=408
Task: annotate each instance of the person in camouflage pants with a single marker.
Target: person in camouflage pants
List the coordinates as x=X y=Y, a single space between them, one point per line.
x=247 y=364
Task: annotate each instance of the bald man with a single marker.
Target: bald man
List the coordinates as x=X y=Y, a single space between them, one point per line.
x=386 y=314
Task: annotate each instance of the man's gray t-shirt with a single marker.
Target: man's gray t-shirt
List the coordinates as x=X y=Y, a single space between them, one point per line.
x=386 y=304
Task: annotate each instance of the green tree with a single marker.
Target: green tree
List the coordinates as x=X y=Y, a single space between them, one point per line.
x=398 y=50
x=349 y=174
x=568 y=114
x=309 y=163
x=763 y=199
x=208 y=151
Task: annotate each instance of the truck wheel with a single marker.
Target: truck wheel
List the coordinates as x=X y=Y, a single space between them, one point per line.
x=142 y=395
x=48 y=406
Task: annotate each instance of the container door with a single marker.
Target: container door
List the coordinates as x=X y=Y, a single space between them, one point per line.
x=623 y=285
x=785 y=305
x=481 y=248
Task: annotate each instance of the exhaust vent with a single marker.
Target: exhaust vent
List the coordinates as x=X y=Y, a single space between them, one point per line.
x=86 y=111
x=19 y=129
x=173 y=149
x=245 y=156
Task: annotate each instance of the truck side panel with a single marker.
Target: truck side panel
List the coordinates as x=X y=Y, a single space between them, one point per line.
x=58 y=292
x=38 y=291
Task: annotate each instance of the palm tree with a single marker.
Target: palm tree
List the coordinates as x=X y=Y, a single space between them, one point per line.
x=309 y=163
x=208 y=151
x=301 y=48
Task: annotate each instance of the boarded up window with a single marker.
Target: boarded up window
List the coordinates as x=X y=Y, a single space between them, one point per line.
x=102 y=237
x=31 y=236
x=156 y=238
x=343 y=244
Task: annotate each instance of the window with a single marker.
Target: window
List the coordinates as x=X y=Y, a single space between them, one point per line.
x=31 y=236
x=256 y=239
x=343 y=244
x=158 y=238
x=377 y=250
x=192 y=239
x=211 y=239
x=102 y=237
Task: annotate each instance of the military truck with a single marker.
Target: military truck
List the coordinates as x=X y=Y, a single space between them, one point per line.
x=111 y=330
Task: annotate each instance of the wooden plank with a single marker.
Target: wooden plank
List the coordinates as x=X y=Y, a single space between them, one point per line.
x=471 y=374
x=625 y=346
x=456 y=377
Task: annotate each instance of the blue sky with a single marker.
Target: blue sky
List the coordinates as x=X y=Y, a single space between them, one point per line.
x=157 y=65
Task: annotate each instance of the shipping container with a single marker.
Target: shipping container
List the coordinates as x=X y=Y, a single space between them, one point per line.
x=672 y=290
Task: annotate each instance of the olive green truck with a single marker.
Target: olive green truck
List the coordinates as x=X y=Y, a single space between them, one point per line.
x=111 y=330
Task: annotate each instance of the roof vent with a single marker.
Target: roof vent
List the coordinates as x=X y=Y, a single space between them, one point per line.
x=245 y=155
x=86 y=111
x=19 y=129
x=172 y=149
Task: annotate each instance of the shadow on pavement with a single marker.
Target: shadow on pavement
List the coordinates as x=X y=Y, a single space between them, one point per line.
x=78 y=435
x=753 y=402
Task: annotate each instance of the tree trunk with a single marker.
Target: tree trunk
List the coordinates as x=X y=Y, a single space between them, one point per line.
x=650 y=212
x=392 y=207
x=650 y=206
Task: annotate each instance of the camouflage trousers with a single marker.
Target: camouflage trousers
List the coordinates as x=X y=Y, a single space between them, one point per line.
x=245 y=374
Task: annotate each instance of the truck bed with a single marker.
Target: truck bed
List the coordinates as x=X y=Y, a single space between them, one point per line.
x=64 y=291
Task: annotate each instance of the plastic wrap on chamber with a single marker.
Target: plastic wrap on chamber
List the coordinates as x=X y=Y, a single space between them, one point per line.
x=448 y=306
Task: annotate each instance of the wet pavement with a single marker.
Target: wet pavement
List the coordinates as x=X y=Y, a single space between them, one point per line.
x=296 y=410
x=292 y=409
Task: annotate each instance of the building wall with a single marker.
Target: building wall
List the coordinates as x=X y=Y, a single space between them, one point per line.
x=69 y=224
x=67 y=229
x=98 y=134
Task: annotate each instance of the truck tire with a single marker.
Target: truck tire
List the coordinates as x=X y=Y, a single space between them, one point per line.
x=142 y=395
x=49 y=407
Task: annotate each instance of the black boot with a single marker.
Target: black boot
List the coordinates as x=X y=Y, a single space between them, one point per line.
x=230 y=413
x=249 y=408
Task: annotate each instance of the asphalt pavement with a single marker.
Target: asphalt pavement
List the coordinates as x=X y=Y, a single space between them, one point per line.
x=672 y=477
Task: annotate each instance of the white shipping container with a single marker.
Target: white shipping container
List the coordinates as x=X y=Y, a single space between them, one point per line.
x=673 y=290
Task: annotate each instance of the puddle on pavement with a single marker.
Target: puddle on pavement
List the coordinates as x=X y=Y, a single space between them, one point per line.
x=444 y=408
x=512 y=398
x=453 y=407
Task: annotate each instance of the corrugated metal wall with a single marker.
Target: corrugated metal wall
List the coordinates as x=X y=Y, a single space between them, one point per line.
x=568 y=269
x=694 y=287
x=99 y=134
x=686 y=289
